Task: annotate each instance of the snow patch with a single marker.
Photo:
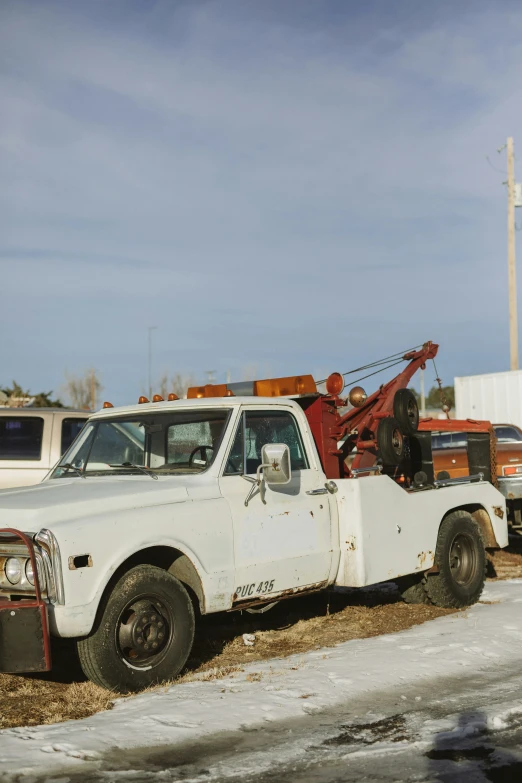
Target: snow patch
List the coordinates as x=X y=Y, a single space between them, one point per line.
x=302 y=684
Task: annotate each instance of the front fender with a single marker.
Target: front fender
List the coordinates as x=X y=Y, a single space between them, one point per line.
x=201 y=530
x=77 y=619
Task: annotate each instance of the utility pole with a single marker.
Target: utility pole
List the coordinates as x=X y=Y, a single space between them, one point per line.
x=150 y=329
x=512 y=271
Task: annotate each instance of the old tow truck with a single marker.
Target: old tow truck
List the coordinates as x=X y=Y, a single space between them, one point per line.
x=238 y=496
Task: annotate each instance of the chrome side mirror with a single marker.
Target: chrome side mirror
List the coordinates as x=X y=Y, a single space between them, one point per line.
x=276 y=464
x=275 y=468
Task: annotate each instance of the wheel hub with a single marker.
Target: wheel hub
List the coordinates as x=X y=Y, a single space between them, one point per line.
x=462 y=559
x=148 y=631
x=143 y=631
x=397 y=440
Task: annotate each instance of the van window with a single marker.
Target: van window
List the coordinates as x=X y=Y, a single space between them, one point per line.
x=21 y=437
x=70 y=429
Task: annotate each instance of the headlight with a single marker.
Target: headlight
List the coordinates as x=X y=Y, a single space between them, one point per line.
x=13 y=570
x=52 y=565
x=29 y=572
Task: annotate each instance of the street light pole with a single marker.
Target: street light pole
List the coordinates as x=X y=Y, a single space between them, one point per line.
x=150 y=328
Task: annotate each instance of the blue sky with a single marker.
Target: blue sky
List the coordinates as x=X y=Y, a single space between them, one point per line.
x=299 y=186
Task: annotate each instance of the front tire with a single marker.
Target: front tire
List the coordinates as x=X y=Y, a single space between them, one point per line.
x=461 y=558
x=144 y=632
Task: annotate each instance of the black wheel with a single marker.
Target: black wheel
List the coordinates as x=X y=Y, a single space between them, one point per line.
x=144 y=632
x=406 y=411
x=412 y=589
x=461 y=558
x=390 y=441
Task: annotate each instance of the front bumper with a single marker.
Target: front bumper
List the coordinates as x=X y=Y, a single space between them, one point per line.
x=510 y=486
x=25 y=644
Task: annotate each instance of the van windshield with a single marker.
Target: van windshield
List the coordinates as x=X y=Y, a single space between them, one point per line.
x=175 y=442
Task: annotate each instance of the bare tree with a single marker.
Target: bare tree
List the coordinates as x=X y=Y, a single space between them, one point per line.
x=177 y=383
x=82 y=391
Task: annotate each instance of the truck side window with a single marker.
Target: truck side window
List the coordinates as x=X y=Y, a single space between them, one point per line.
x=235 y=459
x=21 y=437
x=257 y=428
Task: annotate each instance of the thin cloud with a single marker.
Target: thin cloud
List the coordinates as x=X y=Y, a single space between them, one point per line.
x=253 y=180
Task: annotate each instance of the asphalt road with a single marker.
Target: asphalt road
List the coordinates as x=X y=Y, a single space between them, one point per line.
x=456 y=730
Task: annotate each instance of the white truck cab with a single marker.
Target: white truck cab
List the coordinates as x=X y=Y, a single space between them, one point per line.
x=32 y=441
x=160 y=509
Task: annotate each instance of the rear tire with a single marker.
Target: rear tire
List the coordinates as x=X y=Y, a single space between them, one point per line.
x=461 y=558
x=144 y=632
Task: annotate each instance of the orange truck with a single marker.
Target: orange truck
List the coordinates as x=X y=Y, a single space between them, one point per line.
x=450 y=456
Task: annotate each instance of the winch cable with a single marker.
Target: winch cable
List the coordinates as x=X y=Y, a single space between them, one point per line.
x=381 y=369
x=443 y=398
x=388 y=361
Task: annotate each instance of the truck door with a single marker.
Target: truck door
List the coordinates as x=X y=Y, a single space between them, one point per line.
x=283 y=538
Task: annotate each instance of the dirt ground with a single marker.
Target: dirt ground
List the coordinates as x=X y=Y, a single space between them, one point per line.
x=294 y=626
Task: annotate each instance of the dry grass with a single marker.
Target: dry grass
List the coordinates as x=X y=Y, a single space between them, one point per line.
x=294 y=626
x=29 y=701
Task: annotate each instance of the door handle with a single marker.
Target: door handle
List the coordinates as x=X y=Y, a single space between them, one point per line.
x=316 y=491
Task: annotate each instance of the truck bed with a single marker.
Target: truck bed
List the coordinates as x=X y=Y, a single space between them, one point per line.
x=386 y=531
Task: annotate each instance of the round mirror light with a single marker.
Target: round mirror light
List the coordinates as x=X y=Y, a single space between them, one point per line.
x=335 y=383
x=13 y=570
x=357 y=396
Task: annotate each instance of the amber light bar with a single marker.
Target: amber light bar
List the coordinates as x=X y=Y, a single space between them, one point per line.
x=272 y=387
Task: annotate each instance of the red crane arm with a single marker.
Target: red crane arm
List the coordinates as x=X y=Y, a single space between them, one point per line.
x=360 y=424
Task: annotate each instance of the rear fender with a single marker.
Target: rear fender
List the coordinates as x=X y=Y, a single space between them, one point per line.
x=494 y=532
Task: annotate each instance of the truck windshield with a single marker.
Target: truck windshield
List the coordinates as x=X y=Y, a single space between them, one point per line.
x=164 y=443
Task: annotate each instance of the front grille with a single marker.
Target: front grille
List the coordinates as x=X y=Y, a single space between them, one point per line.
x=23 y=588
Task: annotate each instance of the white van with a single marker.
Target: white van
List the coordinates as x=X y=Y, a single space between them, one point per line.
x=32 y=441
